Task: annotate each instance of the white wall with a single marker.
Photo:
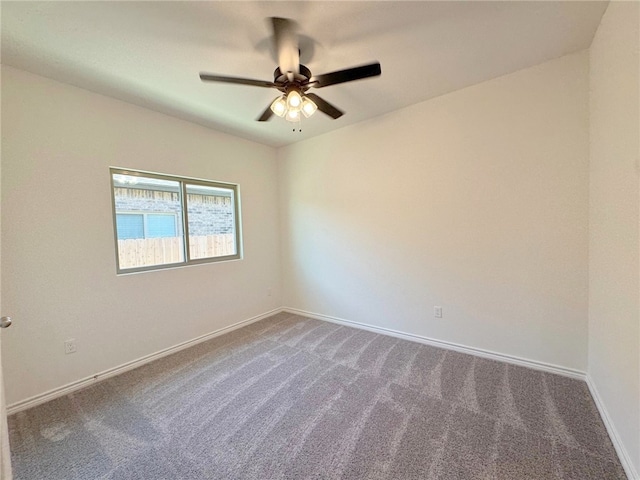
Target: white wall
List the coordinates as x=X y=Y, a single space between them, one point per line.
x=5 y=455
x=476 y=201
x=58 y=260
x=614 y=286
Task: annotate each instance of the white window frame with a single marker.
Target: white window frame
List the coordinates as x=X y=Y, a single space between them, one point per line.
x=183 y=181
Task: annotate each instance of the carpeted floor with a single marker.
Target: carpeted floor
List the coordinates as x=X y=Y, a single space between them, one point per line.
x=294 y=398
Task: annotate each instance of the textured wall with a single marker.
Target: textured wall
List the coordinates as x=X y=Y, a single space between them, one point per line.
x=475 y=201
x=614 y=221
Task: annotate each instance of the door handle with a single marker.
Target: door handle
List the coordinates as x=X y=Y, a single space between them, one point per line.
x=5 y=322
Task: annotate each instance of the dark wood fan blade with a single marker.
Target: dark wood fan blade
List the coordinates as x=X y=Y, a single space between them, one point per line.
x=205 y=77
x=286 y=42
x=266 y=115
x=347 y=75
x=324 y=106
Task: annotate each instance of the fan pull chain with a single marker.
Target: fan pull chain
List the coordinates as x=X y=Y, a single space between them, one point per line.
x=299 y=128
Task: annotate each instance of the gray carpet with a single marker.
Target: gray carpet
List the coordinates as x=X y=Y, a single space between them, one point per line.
x=294 y=398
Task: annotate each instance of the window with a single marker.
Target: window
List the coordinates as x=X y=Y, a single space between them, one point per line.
x=129 y=225
x=145 y=225
x=154 y=214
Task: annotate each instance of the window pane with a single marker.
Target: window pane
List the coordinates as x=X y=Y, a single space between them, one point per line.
x=212 y=226
x=159 y=225
x=130 y=226
x=159 y=202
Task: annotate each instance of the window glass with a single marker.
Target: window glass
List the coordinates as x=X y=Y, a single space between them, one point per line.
x=130 y=226
x=161 y=225
x=212 y=229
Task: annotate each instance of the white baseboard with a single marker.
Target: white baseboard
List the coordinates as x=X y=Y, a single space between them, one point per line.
x=623 y=454
x=112 y=372
x=479 y=352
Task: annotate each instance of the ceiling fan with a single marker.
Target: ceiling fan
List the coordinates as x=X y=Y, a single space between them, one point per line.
x=294 y=80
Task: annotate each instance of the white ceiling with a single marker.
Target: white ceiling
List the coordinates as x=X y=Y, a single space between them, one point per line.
x=150 y=53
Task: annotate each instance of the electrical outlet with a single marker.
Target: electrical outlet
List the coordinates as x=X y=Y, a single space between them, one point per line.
x=437 y=312
x=70 y=346
x=268 y=292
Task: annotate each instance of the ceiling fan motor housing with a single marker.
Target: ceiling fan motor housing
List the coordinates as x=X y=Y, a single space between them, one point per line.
x=300 y=80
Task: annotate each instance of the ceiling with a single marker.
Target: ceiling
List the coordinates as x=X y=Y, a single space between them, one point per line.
x=150 y=53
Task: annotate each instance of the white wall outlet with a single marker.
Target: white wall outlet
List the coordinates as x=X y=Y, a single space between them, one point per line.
x=269 y=292
x=70 y=346
x=437 y=312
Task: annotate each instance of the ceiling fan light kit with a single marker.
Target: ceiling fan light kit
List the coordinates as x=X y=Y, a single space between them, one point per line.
x=308 y=107
x=279 y=106
x=294 y=101
x=291 y=105
x=297 y=79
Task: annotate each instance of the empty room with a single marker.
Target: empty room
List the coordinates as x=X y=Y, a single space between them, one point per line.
x=320 y=240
